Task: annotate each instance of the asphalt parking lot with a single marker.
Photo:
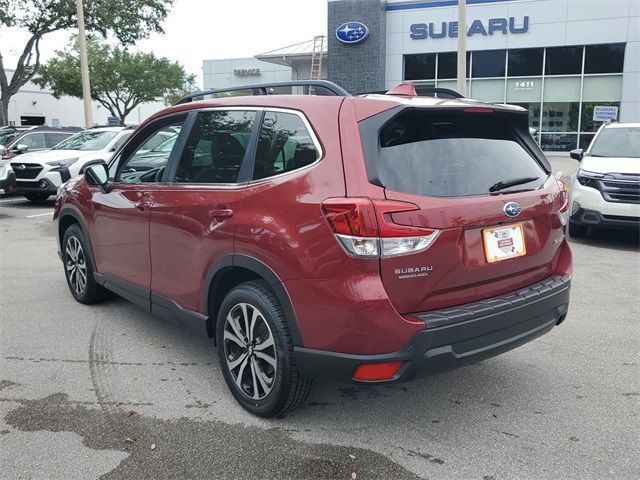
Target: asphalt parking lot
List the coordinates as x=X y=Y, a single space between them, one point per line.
x=111 y=391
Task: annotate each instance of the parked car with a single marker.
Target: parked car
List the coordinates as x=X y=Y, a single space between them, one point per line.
x=366 y=239
x=605 y=191
x=18 y=140
x=7 y=178
x=39 y=174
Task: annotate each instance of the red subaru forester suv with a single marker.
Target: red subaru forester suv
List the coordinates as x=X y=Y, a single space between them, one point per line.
x=363 y=238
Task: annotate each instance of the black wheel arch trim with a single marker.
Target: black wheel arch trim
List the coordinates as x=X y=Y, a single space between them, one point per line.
x=263 y=270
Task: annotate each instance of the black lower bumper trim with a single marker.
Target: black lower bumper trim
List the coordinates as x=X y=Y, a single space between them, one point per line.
x=35 y=187
x=593 y=218
x=488 y=333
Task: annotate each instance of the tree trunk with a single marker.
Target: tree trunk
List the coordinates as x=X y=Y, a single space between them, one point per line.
x=4 y=112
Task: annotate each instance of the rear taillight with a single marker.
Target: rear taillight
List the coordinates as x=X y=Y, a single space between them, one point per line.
x=365 y=229
x=563 y=211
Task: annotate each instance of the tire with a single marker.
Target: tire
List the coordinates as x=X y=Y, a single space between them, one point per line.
x=78 y=267
x=577 y=231
x=276 y=389
x=36 y=197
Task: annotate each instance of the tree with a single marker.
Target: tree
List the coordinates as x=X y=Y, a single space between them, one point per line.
x=127 y=20
x=120 y=80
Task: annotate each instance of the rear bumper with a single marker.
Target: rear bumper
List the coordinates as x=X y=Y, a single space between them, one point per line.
x=593 y=218
x=458 y=336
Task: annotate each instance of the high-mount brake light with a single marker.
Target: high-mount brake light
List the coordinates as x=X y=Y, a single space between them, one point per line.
x=478 y=110
x=365 y=229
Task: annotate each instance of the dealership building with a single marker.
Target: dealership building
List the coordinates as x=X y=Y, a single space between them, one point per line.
x=560 y=59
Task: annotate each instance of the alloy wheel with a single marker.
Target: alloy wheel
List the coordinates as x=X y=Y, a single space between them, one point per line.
x=76 y=265
x=250 y=351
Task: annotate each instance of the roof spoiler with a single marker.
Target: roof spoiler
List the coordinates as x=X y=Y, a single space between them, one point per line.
x=408 y=89
x=321 y=87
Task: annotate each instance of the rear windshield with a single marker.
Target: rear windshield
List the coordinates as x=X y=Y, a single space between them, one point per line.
x=451 y=154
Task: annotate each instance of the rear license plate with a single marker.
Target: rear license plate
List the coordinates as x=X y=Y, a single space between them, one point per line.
x=501 y=243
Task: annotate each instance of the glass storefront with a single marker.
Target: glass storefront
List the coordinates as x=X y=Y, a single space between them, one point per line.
x=560 y=86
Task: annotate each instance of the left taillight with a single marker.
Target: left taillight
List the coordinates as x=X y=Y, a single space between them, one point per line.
x=364 y=227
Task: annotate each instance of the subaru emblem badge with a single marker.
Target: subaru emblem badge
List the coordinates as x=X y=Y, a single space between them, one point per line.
x=512 y=209
x=21 y=167
x=352 y=32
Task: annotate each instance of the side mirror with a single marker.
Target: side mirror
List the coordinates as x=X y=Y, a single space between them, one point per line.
x=98 y=174
x=21 y=148
x=577 y=154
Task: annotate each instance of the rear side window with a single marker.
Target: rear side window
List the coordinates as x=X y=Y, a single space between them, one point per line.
x=35 y=141
x=285 y=144
x=451 y=154
x=215 y=147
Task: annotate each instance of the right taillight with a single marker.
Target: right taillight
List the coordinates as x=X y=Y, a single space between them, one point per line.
x=365 y=229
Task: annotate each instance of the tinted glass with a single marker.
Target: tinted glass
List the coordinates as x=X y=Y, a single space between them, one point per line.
x=563 y=61
x=215 y=147
x=560 y=116
x=452 y=154
x=146 y=164
x=490 y=63
x=420 y=67
x=604 y=58
x=617 y=142
x=87 y=140
x=526 y=62
x=448 y=64
x=35 y=141
x=284 y=145
x=558 y=142
x=55 y=138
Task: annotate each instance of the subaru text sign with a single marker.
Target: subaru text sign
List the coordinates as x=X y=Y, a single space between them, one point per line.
x=352 y=32
x=602 y=113
x=503 y=26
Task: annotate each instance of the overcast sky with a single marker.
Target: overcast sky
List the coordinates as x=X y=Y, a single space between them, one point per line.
x=196 y=30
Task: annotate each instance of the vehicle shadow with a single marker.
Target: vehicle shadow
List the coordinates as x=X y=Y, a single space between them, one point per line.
x=17 y=202
x=613 y=239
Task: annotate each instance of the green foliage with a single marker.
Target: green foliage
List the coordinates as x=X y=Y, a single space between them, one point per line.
x=120 y=80
x=128 y=20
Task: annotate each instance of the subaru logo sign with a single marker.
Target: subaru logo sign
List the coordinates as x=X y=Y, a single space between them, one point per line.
x=512 y=209
x=21 y=167
x=352 y=32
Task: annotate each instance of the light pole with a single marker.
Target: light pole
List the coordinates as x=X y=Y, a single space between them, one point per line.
x=462 y=47
x=84 y=67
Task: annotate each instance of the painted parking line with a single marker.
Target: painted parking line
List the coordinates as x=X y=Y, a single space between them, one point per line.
x=38 y=215
x=10 y=200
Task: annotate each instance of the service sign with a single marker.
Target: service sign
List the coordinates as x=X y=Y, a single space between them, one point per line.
x=603 y=113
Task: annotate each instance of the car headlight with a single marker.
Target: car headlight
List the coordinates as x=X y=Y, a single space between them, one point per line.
x=62 y=163
x=588 y=179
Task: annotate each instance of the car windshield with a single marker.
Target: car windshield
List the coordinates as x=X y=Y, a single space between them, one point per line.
x=7 y=137
x=617 y=142
x=87 y=140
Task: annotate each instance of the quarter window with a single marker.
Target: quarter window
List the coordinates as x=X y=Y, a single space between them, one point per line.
x=35 y=141
x=216 y=147
x=284 y=145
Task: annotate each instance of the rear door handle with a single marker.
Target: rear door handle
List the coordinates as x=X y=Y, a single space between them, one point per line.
x=221 y=212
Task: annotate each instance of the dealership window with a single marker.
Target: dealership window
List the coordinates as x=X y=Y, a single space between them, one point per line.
x=525 y=62
x=604 y=58
x=420 y=67
x=491 y=91
x=488 y=64
x=524 y=90
x=533 y=110
x=564 y=61
x=448 y=65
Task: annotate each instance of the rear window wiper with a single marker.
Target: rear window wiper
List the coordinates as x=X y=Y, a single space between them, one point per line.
x=511 y=183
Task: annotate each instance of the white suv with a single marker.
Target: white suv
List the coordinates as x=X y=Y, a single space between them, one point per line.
x=605 y=191
x=39 y=174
